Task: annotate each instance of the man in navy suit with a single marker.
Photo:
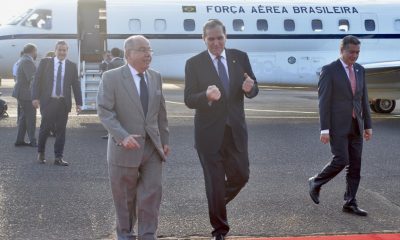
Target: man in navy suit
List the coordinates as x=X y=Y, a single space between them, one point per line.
x=51 y=91
x=345 y=119
x=216 y=82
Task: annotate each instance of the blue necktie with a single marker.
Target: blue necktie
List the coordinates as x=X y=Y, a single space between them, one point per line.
x=223 y=75
x=144 y=93
x=58 y=83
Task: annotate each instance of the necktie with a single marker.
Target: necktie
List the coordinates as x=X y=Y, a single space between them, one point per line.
x=353 y=83
x=144 y=93
x=223 y=75
x=352 y=78
x=58 y=82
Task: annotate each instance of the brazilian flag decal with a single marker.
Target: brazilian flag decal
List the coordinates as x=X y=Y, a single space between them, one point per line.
x=189 y=9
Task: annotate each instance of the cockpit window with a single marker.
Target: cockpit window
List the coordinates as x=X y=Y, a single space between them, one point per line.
x=40 y=18
x=17 y=19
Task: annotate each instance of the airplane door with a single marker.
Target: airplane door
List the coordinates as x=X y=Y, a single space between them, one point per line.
x=92 y=29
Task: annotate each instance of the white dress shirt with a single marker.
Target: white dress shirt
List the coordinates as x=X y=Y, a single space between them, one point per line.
x=136 y=78
x=223 y=60
x=56 y=63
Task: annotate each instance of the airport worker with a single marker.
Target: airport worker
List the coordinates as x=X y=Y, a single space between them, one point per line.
x=216 y=82
x=54 y=79
x=116 y=60
x=22 y=92
x=344 y=120
x=131 y=107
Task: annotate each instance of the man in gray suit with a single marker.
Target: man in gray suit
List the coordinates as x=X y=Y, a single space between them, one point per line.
x=117 y=60
x=131 y=107
x=22 y=92
x=344 y=118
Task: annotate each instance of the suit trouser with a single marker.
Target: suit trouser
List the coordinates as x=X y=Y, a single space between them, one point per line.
x=225 y=174
x=346 y=152
x=137 y=195
x=26 y=121
x=54 y=117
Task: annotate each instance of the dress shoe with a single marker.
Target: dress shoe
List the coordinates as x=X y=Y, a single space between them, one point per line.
x=104 y=137
x=21 y=144
x=41 y=158
x=218 y=237
x=354 y=209
x=314 y=191
x=60 y=162
x=33 y=144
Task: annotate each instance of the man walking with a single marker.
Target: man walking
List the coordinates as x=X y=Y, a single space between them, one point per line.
x=131 y=107
x=54 y=79
x=345 y=119
x=216 y=82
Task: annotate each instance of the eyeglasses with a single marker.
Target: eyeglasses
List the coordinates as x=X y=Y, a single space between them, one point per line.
x=144 y=50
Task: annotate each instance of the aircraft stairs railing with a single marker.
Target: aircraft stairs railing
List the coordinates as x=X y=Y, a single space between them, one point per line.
x=90 y=81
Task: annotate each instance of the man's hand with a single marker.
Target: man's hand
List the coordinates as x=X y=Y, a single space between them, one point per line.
x=78 y=109
x=166 y=150
x=324 y=138
x=213 y=94
x=367 y=134
x=130 y=142
x=247 y=84
x=36 y=103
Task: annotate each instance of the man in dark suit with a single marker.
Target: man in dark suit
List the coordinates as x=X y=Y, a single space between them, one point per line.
x=22 y=92
x=116 y=60
x=52 y=92
x=344 y=118
x=216 y=82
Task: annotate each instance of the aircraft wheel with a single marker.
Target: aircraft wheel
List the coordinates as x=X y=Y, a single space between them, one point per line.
x=385 y=105
x=372 y=106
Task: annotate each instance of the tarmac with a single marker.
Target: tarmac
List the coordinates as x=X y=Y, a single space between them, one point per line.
x=52 y=202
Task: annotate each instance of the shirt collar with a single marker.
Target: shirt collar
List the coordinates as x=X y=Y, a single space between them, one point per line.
x=56 y=60
x=133 y=70
x=213 y=57
x=344 y=64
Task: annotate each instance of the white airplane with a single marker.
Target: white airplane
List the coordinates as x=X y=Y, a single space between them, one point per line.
x=287 y=41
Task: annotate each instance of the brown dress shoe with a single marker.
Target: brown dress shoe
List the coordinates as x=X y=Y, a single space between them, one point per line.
x=60 y=162
x=41 y=158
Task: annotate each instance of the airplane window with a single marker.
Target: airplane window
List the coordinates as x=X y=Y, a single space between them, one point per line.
x=189 y=24
x=160 y=25
x=238 y=25
x=16 y=19
x=262 y=25
x=344 y=25
x=369 y=24
x=316 y=25
x=289 y=25
x=135 y=25
x=40 y=18
x=397 y=24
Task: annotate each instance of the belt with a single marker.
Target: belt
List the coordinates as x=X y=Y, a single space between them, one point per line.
x=58 y=97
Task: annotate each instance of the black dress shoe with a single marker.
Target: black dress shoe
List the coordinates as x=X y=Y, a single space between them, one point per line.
x=104 y=137
x=218 y=237
x=60 y=162
x=354 y=210
x=21 y=144
x=314 y=191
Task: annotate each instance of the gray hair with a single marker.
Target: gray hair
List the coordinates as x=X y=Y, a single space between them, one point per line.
x=130 y=42
x=61 y=42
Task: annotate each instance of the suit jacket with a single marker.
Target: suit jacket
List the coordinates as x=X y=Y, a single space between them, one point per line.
x=336 y=100
x=25 y=76
x=115 y=62
x=43 y=83
x=120 y=111
x=210 y=120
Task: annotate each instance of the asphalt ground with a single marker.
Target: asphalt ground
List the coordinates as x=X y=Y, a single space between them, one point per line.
x=74 y=202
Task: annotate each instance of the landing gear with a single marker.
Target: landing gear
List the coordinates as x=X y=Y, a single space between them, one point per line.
x=383 y=105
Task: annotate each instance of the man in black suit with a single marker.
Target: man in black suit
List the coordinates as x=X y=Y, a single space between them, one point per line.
x=25 y=74
x=344 y=118
x=52 y=92
x=216 y=82
x=116 y=60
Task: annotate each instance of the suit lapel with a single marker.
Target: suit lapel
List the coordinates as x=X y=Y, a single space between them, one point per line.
x=358 y=77
x=50 y=69
x=151 y=85
x=233 y=65
x=130 y=87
